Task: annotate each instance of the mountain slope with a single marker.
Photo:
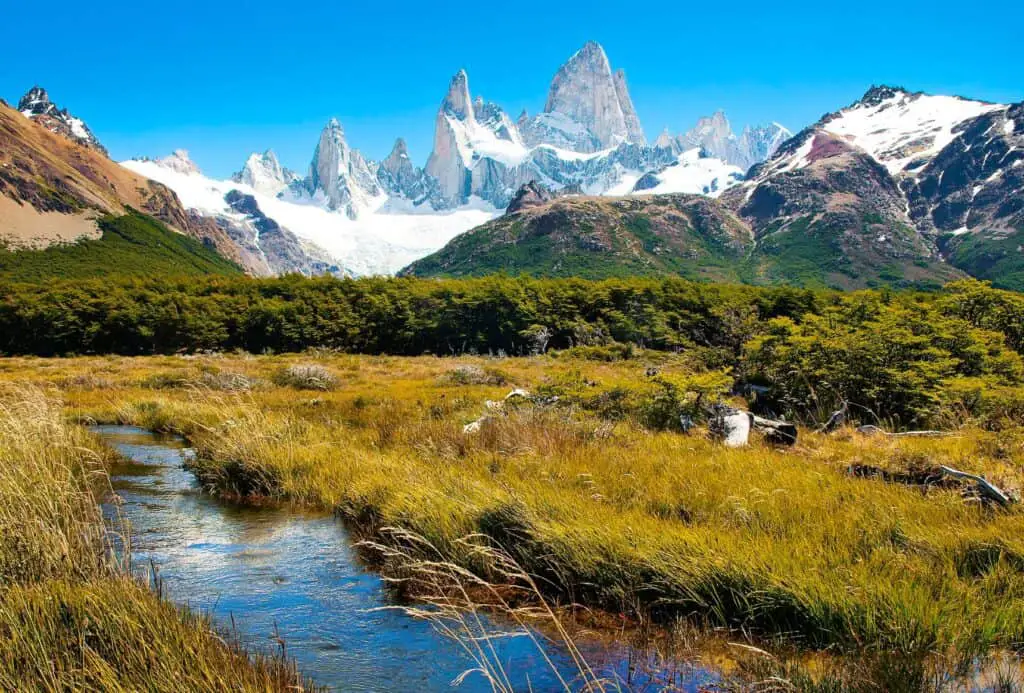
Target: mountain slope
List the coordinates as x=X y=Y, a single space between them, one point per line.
x=54 y=189
x=832 y=215
x=970 y=198
x=131 y=244
x=598 y=237
x=885 y=188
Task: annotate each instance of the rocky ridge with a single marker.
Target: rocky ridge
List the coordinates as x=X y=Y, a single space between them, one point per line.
x=36 y=105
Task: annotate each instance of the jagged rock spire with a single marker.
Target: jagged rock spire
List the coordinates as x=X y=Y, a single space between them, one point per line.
x=340 y=173
x=585 y=92
x=456 y=101
x=36 y=105
x=264 y=173
x=634 y=132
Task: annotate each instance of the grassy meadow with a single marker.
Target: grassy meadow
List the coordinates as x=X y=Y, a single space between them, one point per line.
x=586 y=492
x=71 y=615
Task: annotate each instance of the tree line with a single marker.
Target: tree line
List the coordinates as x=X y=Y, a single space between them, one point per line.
x=901 y=354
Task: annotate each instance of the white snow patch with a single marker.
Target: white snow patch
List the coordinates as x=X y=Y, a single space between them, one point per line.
x=961 y=231
x=1009 y=126
x=376 y=243
x=78 y=128
x=474 y=138
x=696 y=175
x=906 y=127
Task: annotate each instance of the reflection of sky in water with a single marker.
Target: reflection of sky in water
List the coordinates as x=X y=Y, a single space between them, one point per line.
x=270 y=568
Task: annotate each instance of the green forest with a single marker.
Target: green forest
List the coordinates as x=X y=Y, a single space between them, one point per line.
x=910 y=356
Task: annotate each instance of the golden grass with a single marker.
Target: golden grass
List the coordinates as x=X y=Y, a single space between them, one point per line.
x=781 y=542
x=71 y=616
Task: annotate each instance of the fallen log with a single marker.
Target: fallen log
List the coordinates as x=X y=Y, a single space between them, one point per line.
x=985 y=488
x=775 y=432
x=734 y=429
x=931 y=477
x=870 y=430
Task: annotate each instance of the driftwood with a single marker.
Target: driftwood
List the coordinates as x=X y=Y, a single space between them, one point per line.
x=735 y=429
x=870 y=430
x=498 y=407
x=930 y=477
x=985 y=488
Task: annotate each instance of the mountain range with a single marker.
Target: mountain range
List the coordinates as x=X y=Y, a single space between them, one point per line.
x=899 y=188
x=375 y=217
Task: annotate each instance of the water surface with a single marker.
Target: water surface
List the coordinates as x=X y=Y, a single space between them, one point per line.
x=280 y=576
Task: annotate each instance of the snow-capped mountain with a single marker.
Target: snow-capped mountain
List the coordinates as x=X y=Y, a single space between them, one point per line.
x=899 y=179
x=588 y=107
x=375 y=217
x=340 y=177
x=36 y=105
x=588 y=139
x=715 y=137
x=691 y=173
x=295 y=231
x=902 y=131
x=264 y=173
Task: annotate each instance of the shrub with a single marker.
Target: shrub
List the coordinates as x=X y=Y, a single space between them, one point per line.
x=609 y=353
x=306 y=377
x=474 y=375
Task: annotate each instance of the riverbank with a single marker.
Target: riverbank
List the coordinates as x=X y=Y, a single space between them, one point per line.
x=608 y=512
x=71 y=616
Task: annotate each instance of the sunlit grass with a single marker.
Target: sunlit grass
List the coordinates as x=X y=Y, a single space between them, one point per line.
x=780 y=542
x=71 y=615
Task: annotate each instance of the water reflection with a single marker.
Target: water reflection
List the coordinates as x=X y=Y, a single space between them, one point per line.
x=278 y=573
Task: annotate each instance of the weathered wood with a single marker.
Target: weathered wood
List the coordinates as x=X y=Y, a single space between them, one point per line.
x=731 y=426
x=836 y=420
x=870 y=430
x=986 y=488
x=776 y=432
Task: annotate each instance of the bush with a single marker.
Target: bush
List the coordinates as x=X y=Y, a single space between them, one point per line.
x=306 y=377
x=608 y=353
x=893 y=360
x=474 y=375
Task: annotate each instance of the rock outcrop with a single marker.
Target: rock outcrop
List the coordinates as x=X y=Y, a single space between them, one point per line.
x=276 y=249
x=450 y=159
x=340 y=175
x=264 y=174
x=714 y=136
x=36 y=105
x=585 y=102
x=532 y=194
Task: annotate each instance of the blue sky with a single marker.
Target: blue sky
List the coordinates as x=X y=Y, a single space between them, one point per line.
x=223 y=79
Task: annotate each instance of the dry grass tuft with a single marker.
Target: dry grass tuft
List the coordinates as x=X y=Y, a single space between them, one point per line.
x=306 y=377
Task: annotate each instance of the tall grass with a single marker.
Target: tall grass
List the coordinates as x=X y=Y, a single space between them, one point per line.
x=71 y=616
x=781 y=543
x=462 y=604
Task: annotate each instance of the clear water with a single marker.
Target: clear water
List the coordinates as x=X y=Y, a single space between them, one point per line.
x=277 y=573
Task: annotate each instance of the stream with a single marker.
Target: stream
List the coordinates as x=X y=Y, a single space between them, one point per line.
x=274 y=574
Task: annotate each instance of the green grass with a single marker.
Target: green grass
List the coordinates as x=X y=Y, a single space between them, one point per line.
x=131 y=245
